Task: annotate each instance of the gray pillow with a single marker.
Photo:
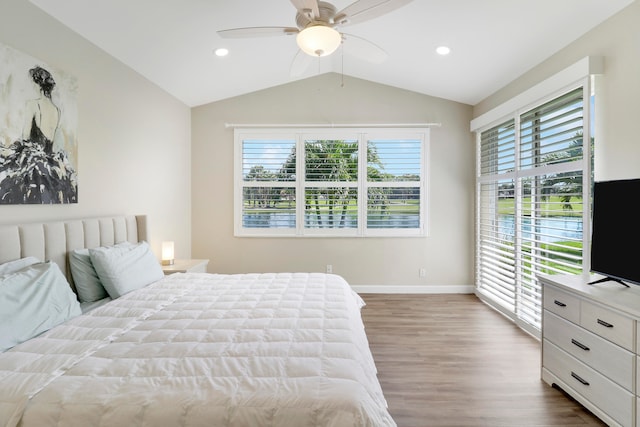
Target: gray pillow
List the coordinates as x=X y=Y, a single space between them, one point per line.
x=123 y=269
x=85 y=277
x=34 y=300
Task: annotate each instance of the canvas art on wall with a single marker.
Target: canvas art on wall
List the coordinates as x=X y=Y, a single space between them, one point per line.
x=38 y=122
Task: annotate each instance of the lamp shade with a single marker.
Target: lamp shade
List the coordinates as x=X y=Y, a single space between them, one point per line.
x=167 y=253
x=319 y=40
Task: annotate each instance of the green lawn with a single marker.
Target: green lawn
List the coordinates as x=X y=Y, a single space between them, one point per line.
x=551 y=257
x=552 y=207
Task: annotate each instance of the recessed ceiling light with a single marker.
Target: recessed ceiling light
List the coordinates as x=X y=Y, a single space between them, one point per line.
x=222 y=52
x=443 y=50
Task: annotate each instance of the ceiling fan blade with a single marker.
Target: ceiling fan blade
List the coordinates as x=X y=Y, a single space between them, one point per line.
x=301 y=63
x=239 y=33
x=363 y=49
x=307 y=5
x=364 y=10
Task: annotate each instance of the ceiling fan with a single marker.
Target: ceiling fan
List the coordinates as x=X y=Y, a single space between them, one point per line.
x=317 y=30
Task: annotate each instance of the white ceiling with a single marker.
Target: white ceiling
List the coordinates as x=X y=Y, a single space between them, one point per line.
x=171 y=42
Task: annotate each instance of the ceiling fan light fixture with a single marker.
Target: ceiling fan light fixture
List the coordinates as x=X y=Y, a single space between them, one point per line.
x=319 y=40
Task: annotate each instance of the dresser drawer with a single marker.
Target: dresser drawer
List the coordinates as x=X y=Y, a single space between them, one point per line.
x=612 y=399
x=605 y=357
x=561 y=303
x=608 y=324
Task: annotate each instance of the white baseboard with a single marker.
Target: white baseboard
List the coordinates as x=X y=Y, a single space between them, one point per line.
x=412 y=289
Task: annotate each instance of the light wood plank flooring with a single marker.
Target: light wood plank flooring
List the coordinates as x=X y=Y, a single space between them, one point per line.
x=450 y=360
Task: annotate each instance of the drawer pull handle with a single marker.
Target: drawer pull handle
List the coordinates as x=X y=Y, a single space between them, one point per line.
x=576 y=376
x=579 y=344
x=605 y=324
x=560 y=303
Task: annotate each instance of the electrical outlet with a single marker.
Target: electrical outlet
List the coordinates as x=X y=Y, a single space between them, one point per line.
x=329 y=268
x=422 y=272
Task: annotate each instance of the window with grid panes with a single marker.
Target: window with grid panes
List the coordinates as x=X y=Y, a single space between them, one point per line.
x=532 y=185
x=347 y=182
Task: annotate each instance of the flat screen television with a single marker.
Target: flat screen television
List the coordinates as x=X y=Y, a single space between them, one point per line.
x=615 y=249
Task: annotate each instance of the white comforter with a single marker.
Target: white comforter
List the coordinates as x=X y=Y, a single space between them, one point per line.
x=203 y=350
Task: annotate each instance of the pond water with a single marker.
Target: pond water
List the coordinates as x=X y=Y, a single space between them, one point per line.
x=552 y=229
x=288 y=220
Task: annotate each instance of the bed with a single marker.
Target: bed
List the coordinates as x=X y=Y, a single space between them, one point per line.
x=192 y=349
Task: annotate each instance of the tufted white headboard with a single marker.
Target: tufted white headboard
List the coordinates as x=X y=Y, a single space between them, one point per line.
x=53 y=240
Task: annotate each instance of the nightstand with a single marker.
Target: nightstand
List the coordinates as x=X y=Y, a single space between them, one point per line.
x=186 y=266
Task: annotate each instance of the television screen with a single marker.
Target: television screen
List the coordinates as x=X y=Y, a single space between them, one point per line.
x=615 y=240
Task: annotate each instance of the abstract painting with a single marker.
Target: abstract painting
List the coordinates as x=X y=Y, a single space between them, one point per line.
x=38 y=123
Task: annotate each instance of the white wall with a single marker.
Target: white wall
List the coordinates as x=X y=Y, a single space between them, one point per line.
x=617 y=144
x=133 y=138
x=447 y=254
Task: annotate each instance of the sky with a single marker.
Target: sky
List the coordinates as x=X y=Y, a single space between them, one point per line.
x=401 y=156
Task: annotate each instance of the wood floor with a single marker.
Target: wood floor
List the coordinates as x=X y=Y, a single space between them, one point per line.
x=450 y=360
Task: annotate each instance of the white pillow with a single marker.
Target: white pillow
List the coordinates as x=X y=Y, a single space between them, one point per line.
x=19 y=264
x=34 y=300
x=123 y=269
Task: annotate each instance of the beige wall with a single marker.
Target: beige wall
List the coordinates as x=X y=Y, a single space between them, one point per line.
x=617 y=144
x=140 y=153
x=446 y=254
x=133 y=138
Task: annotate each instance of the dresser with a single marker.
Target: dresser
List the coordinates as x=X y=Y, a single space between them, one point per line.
x=591 y=344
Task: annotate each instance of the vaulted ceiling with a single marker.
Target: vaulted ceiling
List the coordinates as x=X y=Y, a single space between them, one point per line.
x=172 y=42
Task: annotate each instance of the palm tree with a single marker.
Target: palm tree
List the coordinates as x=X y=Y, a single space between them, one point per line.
x=566 y=184
x=333 y=161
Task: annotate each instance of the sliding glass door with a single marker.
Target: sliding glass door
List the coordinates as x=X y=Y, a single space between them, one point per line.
x=533 y=191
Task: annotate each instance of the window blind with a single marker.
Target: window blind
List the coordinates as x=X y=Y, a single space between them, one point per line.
x=496 y=220
x=532 y=184
x=268 y=198
x=365 y=182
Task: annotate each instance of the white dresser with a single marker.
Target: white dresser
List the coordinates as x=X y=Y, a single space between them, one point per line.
x=591 y=343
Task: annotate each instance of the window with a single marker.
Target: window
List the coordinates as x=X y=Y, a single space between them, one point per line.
x=533 y=181
x=319 y=182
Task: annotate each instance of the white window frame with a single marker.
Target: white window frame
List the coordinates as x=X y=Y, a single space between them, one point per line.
x=362 y=136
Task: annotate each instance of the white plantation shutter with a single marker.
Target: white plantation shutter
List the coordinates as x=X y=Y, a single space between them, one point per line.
x=395 y=183
x=533 y=181
x=268 y=192
x=331 y=183
x=547 y=133
x=349 y=182
x=496 y=200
